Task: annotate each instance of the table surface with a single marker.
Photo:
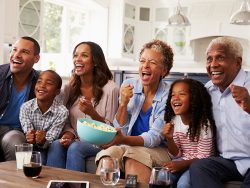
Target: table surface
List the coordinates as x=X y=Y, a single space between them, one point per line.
x=10 y=177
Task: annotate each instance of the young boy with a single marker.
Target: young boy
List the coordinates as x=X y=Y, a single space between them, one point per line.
x=43 y=117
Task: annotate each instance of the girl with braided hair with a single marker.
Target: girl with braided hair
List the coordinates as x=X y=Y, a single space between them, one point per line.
x=189 y=129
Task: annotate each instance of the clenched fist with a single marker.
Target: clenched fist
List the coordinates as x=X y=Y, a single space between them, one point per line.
x=168 y=130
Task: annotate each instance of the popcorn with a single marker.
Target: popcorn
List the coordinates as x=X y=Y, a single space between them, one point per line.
x=99 y=127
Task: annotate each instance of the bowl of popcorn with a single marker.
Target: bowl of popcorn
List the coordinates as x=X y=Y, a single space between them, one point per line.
x=95 y=132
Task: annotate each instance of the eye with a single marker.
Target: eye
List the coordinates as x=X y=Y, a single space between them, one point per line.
x=38 y=81
x=26 y=51
x=142 y=61
x=209 y=60
x=14 y=50
x=221 y=58
x=153 y=62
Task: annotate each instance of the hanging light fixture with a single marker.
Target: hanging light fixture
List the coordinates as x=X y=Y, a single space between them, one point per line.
x=242 y=16
x=178 y=19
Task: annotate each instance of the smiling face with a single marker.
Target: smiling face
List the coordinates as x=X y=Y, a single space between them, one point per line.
x=82 y=60
x=180 y=99
x=22 y=57
x=151 y=67
x=47 y=87
x=222 y=67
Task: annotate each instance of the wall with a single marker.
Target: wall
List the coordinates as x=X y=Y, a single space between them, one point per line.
x=209 y=19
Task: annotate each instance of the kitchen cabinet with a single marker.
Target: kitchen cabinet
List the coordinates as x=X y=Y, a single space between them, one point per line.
x=21 y=18
x=130 y=27
x=18 y=18
x=30 y=18
x=10 y=20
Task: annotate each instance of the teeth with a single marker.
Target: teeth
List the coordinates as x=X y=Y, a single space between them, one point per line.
x=146 y=73
x=40 y=91
x=17 y=62
x=216 y=73
x=177 y=104
x=79 y=65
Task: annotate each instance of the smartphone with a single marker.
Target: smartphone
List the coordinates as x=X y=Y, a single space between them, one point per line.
x=67 y=184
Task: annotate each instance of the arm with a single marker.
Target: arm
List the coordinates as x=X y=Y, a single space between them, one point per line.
x=205 y=144
x=128 y=140
x=25 y=117
x=110 y=101
x=126 y=92
x=87 y=107
x=168 y=131
x=56 y=127
x=176 y=166
x=241 y=97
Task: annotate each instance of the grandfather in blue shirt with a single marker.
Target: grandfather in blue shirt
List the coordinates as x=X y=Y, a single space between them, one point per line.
x=229 y=88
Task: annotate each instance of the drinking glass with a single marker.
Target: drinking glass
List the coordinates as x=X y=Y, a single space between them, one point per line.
x=32 y=166
x=160 y=177
x=109 y=171
x=21 y=150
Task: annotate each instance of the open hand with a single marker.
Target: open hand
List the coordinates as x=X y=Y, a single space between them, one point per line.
x=175 y=166
x=118 y=139
x=67 y=139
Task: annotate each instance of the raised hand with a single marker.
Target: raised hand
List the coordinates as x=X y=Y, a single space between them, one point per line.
x=86 y=106
x=241 y=96
x=168 y=130
x=126 y=92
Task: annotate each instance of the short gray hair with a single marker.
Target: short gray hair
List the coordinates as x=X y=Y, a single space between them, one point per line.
x=232 y=45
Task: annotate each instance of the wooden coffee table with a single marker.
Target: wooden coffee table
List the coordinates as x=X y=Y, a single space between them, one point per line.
x=10 y=177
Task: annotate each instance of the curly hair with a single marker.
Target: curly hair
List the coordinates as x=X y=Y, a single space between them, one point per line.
x=165 y=49
x=101 y=73
x=201 y=115
x=230 y=44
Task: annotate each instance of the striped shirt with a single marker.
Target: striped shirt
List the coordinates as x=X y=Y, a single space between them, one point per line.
x=188 y=149
x=51 y=121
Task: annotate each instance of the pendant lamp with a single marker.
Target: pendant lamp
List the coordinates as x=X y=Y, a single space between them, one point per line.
x=242 y=16
x=178 y=19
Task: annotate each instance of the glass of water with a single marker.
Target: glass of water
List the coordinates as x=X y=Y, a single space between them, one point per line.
x=22 y=150
x=109 y=171
x=160 y=177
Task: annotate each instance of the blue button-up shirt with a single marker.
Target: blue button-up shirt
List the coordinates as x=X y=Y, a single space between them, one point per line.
x=233 y=124
x=153 y=137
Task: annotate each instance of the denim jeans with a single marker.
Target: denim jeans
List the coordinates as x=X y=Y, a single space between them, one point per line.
x=73 y=157
x=181 y=179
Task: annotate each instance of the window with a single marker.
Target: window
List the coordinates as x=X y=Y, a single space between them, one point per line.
x=65 y=24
